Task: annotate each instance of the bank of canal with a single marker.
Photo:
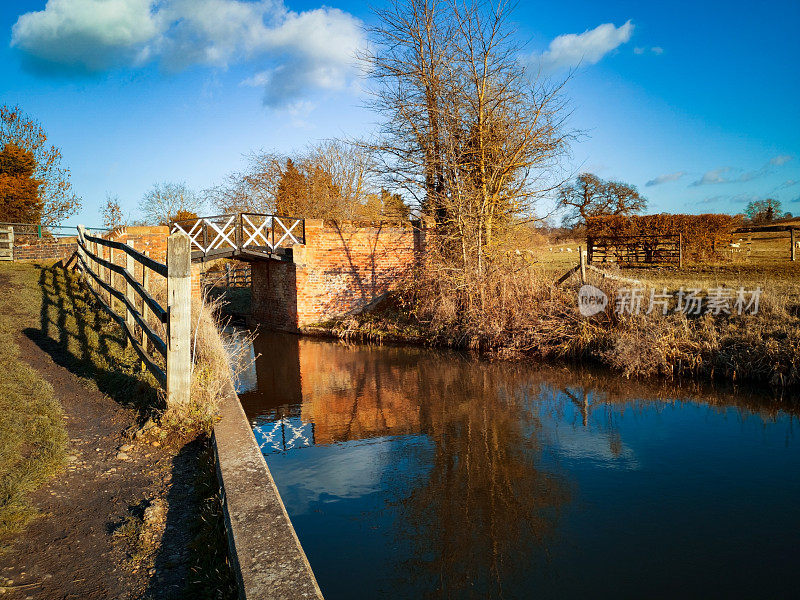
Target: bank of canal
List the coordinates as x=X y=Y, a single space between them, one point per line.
x=414 y=473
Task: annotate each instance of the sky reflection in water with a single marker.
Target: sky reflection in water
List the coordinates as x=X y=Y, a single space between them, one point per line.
x=410 y=473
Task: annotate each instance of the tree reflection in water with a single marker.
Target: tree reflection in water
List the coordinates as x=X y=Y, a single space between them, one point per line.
x=485 y=511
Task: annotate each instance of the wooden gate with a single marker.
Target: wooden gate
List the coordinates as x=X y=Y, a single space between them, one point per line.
x=7 y=243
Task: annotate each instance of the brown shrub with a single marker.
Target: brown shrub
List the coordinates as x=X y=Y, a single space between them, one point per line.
x=701 y=233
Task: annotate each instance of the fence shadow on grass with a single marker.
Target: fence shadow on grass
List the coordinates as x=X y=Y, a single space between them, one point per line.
x=81 y=337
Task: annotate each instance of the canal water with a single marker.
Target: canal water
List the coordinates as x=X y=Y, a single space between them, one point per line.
x=412 y=473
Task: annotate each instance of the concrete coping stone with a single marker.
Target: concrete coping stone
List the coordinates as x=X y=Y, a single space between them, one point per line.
x=265 y=552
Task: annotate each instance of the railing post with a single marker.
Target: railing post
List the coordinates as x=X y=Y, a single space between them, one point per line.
x=582 y=263
x=145 y=309
x=81 y=243
x=130 y=266
x=179 y=310
x=791 y=241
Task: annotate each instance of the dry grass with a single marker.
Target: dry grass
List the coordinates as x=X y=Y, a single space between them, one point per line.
x=516 y=310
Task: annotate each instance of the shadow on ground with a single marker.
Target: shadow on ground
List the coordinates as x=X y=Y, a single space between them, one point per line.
x=80 y=336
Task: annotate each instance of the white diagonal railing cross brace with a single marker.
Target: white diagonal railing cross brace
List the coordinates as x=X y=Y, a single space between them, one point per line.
x=258 y=231
x=288 y=231
x=194 y=231
x=222 y=234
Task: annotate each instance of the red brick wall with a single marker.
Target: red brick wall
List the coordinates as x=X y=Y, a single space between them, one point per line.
x=341 y=269
x=54 y=251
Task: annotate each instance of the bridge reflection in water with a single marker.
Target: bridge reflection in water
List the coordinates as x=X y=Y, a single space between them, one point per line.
x=424 y=474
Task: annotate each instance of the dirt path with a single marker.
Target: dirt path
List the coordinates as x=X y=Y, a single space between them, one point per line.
x=96 y=537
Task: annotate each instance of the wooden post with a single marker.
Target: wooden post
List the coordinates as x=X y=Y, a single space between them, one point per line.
x=110 y=277
x=82 y=240
x=95 y=268
x=749 y=246
x=680 y=250
x=179 y=309
x=792 y=242
x=227 y=275
x=145 y=309
x=582 y=263
x=130 y=266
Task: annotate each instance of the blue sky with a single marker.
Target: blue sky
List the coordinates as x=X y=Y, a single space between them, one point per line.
x=696 y=103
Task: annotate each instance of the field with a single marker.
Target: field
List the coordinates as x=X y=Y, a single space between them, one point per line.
x=767 y=266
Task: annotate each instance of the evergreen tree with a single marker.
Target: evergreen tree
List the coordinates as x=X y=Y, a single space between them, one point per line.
x=291 y=196
x=394 y=207
x=20 y=194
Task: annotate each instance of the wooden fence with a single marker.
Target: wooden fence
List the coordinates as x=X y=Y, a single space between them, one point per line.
x=229 y=277
x=636 y=249
x=6 y=243
x=140 y=308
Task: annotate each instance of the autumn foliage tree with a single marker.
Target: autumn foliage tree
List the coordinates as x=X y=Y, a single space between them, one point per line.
x=58 y=202
x=20 y=190
x=112 y=212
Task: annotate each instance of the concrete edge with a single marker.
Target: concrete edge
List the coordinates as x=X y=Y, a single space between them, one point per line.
x=265 y=552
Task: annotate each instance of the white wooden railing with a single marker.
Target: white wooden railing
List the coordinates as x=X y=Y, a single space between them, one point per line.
x=233 y=233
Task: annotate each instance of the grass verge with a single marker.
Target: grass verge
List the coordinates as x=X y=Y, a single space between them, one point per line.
x=32 y=434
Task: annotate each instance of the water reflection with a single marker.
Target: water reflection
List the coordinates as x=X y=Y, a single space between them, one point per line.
x=430 y=474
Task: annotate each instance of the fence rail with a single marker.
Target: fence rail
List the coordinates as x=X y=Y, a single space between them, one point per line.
x=137 y=301
x=44 y=232
x=228 y=278
x=636 y=249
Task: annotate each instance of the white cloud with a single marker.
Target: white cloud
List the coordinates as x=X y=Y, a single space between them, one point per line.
x=658 y=50
x=589 y=47
x=780 y=160
x=302 y=51
x=714 y=176
x=87 y=35
x=665 y=178
x=720 y=175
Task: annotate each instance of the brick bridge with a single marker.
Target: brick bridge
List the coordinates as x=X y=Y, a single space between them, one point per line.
x=303 y=271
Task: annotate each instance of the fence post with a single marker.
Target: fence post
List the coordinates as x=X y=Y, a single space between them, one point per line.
x=110 y=277
x=130 y=266
x=81 y=253
x=791 y=240
x=145 y=309
x=582 y=263
x=680 y=250
x=179 y=308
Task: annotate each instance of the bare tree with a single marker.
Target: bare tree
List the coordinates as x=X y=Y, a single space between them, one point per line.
x=590 y=196
x=112 y=212
x=165 y=200
x=764 y=211
x=252 y=190
x=58 y=200
x=351 y=172
x=468 y=131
